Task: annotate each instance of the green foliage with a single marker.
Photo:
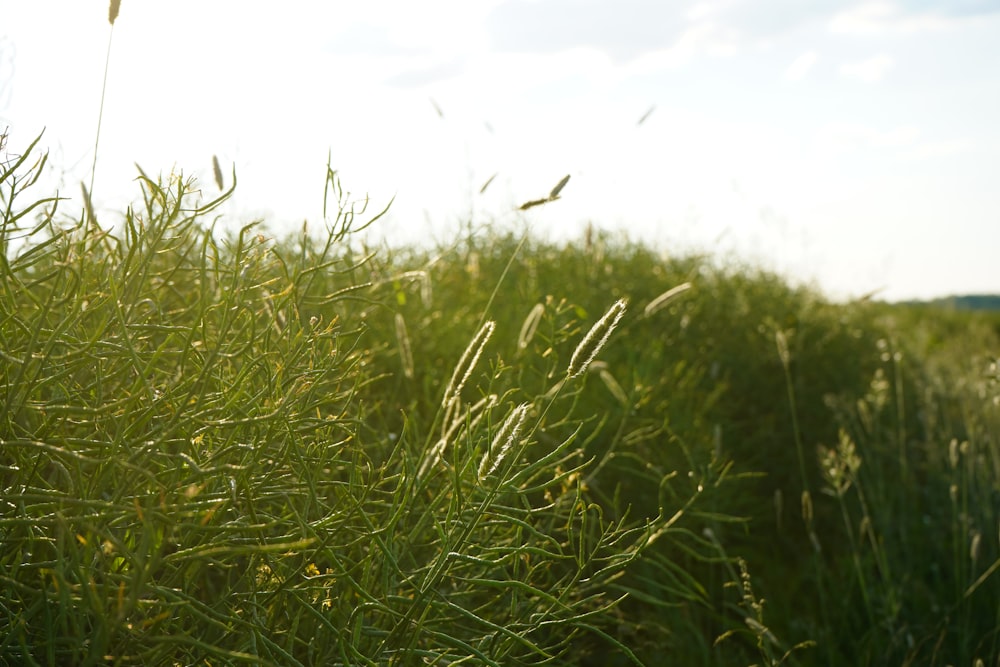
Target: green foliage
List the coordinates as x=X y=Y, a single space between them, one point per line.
x=204 y=458
x=228 y=448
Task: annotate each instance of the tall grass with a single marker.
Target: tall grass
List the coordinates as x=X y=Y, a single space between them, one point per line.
x=843 y=544
x=232 y=448
x=202 y=459
x=229 y=448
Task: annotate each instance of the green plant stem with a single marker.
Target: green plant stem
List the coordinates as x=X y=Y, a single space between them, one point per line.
x=100 y=113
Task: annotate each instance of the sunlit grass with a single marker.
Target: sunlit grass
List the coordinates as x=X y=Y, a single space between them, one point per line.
x=236 y=448
x=202 y=461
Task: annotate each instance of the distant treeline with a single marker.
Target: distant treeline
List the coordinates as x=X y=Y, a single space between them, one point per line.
x=963 y=302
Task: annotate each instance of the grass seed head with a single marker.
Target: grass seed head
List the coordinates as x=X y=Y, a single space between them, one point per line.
x=554 y=194
x=468 y=419
x=113 y=11
x=595 y=339
x=610 y=382
x=502 y=442
x=217 y=172
x=405 y=353
x=781 y=340
x=467 y=362
x=661 y=301
x=530 y=326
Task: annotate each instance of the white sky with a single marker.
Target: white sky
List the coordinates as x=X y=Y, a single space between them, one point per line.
x=854 y=144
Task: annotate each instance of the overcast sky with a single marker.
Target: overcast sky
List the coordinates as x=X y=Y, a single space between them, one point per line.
x=853 y=144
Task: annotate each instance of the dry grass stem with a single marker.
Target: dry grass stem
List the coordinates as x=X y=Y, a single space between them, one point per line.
x=645 y=116
x=437 y=107
x=487 y=183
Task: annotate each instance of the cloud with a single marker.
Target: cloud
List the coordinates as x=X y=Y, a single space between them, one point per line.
x=422 y=76
x=800 y=66
x=647 y=34
x=840 y=137
x=865 y=19
x=773 y=18
x=870 y=70
x=629 y=29
x=707 y=9
x=937 y=149
x=365 y=39
x=880 y=17
x=624 y=30
x=700 y=39
x=954 y=9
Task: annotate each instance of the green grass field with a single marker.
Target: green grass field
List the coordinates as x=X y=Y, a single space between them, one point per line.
x=244 y=448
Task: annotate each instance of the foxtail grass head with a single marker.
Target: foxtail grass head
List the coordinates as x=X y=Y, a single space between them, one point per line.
x=405 y=351
x=596 y=338
x=217 y=172
x=503 y=441
x=467 y=362
x=661 y=301
x=530 y=326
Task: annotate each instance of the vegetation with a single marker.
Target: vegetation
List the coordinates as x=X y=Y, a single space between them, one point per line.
x=230 y=448
x=965 y=302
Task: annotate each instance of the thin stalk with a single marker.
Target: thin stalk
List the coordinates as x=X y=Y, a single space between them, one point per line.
x=104 y=89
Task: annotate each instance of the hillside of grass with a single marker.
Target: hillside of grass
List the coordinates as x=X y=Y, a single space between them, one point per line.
x=254 y=448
